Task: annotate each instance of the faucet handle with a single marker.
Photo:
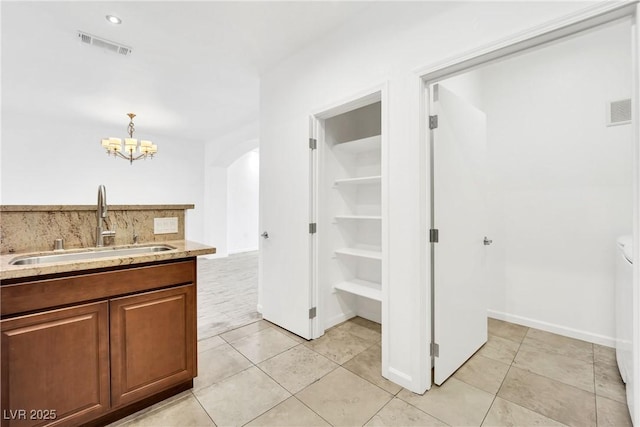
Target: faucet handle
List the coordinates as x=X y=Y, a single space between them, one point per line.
x=109 y=233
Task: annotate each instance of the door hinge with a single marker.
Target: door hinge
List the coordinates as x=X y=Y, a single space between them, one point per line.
x=434 y=349
x=312 y=228
x=433 y=235
x=313 y=143
x=433 y=122
x=312 y=312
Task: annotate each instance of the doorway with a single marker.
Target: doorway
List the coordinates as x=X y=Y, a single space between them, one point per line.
x=560 y=190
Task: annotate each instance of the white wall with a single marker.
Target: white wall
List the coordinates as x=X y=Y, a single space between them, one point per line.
x=242 y=203
x=219 y=154
x=387 y=44
x=560 y=180
x=47 y=161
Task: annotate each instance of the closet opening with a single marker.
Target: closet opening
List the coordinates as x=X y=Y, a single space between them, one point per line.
x=348 y=252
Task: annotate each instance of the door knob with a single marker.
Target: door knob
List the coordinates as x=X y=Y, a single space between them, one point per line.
x=486 y=241
x=265 y=235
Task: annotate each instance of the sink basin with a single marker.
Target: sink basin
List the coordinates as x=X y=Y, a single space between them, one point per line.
x=93 y=253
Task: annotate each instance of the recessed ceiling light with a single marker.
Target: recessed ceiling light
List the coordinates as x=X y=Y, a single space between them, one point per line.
x=113 y=19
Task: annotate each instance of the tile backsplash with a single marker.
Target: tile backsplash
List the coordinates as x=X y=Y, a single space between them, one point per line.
x=34 y=228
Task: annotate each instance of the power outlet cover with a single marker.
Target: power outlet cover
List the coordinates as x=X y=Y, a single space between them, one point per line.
x=165 y=225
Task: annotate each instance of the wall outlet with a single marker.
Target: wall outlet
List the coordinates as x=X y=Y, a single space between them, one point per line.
x=165 y=225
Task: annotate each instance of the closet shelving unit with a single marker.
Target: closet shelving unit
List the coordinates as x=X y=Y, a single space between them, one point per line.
x=349 y=214
x=357 y=215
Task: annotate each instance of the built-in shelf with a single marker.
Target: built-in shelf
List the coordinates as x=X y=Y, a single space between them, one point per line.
x=361 y=288
x=361 y=253
x=372 y=143
x=356 y=181
x=365 y=217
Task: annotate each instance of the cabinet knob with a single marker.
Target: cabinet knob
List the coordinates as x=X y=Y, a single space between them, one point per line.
x=265 y=235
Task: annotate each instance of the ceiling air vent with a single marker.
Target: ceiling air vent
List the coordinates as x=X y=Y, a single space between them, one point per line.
x=619 y=112
x=104 y=44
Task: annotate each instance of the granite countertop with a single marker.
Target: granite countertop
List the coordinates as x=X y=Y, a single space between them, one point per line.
x=65 y=208
x=183 y=249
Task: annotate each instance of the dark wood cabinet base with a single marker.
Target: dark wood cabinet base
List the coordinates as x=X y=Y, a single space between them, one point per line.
x=89 y=348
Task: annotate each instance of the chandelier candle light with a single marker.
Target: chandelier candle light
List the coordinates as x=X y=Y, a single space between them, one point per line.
x=132 y=151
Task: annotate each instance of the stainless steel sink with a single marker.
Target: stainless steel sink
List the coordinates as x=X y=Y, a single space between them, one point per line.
x=88 y=254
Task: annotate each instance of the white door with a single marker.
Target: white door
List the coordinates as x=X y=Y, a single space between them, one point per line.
x=459 y=280
x=285 y=296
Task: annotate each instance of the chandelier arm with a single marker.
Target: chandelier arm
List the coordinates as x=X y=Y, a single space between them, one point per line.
x=131 y=158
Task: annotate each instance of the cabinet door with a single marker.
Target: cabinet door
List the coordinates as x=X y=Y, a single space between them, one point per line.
x=55 y=366
x=153 y=342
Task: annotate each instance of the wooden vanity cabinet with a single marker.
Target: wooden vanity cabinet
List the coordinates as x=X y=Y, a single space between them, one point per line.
x=125 y=338
x=153 y=338
x=55 y=366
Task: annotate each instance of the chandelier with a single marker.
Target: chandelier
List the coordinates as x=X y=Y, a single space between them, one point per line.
x=132 y=150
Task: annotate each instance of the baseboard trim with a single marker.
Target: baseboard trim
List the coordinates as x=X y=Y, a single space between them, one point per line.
x=554 y=328
x=240 y=251
x=335 y=320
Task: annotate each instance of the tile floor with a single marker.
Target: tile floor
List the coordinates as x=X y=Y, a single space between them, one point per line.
x=261 y=375
x=227 y=293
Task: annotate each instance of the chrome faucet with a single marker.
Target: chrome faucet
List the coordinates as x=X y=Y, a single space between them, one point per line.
x=101 y=216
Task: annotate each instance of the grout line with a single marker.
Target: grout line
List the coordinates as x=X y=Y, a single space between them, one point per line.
x=378 y=411
x=203 y=408
x=311 y=409
x=421 y=410
x=543 y=376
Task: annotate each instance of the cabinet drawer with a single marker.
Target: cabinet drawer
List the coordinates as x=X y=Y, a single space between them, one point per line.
x=42 y=294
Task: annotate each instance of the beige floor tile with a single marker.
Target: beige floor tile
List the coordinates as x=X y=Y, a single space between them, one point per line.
x=368 y=365
x=209 y=343
x=241 y=398
x=263 y=344
x=290 y=413
x=500 y=349
x=368 y=334
x=556 y=400
x=483 y=373
x=455 y=402
x=609 y=383
x=217 y=364
x=151 y=408
x=289 y=334
x=507 y=330
x=374 y=326
x=400 y=413
x=558 y=344
x=344 y=399
x=604 y=355
x=612 y=413
x=297 y=367
x=339 y=345
x=572 y=371
x=244 y=331
x=184 y=412
x=506 y=414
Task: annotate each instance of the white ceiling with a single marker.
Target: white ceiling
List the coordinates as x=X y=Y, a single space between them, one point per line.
x=194 y=71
